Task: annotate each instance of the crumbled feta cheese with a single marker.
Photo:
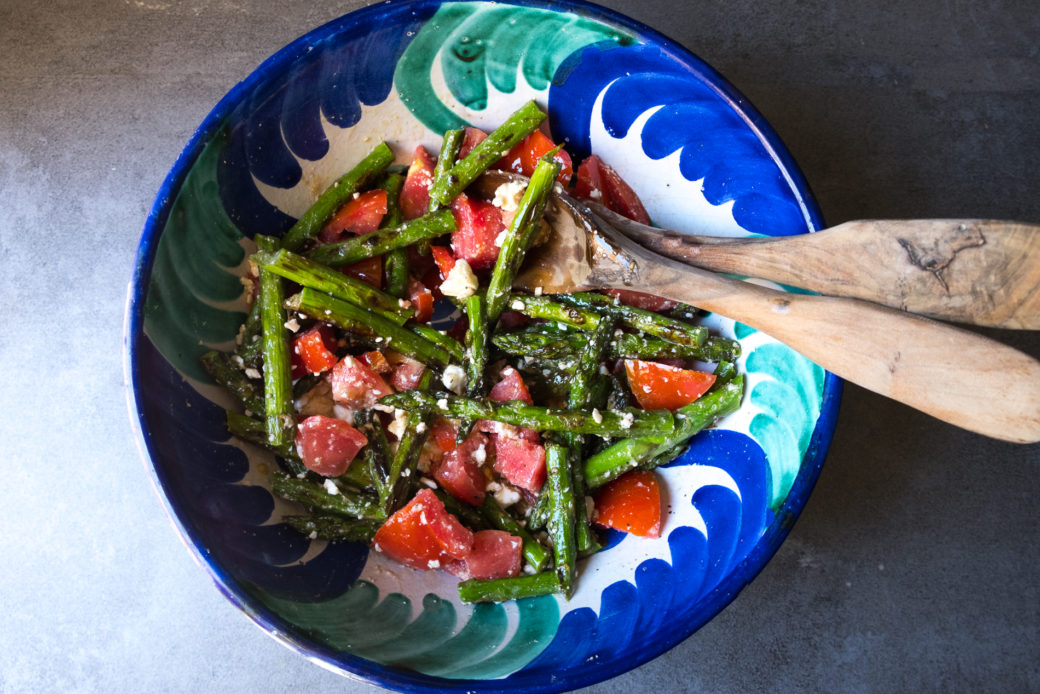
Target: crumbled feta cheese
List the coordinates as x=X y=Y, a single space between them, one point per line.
x=313 y=535
x=480 y=455
x=501 y=238
x=454 y=378
x=460 y=282
x=397 y=426
x=537 y=291
x=420 y=428
x=597 y=417
x=428 y=482
x=508 y=195
x=530 y=570
x=292 y=324
x=330 y=486
x=505 y=495
x=252 y=373
x=626 y=420
x=443 y=403
x=517 y=305
x=434 y=564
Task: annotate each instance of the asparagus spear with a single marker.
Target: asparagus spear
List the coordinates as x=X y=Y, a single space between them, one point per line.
x=505 y=589
x=383 y=240
x=334 y=197
x=522 y=231
x=334 y=528
x=450 y=147
x=402 y=476
x=395 y=269
x=315 y=495
x=560 y=520
x=278 y=404
x=639 y=319
x=631 y=422
x=536 y=341
x=495 y=146
x=357 y=320
x=221 y=368
x=322 y=278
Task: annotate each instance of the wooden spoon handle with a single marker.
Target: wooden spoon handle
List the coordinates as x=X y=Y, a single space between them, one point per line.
x=968 y=271
x=955 y=375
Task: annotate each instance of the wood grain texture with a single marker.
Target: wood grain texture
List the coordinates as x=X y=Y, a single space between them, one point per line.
x=980 y=272
x=952 y=374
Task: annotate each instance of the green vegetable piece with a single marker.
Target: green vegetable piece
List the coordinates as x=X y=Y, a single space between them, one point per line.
x=322 y=278
x=355 y=319
x=336 y=195
x=560 y=521
x=221 y=367
x=495 y=146
x=384 y=240
x=505 y=589
x=450 y=147
x=334 y=528
x=278 y=403
x=315 y=495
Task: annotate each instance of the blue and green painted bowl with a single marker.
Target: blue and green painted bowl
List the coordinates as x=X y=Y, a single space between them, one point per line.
x=700 y=158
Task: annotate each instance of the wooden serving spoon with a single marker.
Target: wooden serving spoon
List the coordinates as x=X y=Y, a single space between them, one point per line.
x=980 y=272
x=952 y=374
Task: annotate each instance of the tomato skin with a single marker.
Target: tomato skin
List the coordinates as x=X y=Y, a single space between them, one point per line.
x=423 y=535
x=369 y=270
x=470 y=139
x=510 y=387
x=495 y=554
x=326 y=445
x=524 y=156
x=647 y=302
x=600 y=183
x=358 y=216
x=520 y=461
x=631 y=503
x=445 y=260
x=459 y=470
x=662 y=387
x=478 y=223
x=406 y=375
x=313 y=351
x=422 y=301
x=415 y=193
x=355 y=385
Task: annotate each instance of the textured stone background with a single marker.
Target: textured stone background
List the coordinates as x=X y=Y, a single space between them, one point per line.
x=915 y=563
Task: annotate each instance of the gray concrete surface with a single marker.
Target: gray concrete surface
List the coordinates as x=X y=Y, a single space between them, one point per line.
x=914 y=566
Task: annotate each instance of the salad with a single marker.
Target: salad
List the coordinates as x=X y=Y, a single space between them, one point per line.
x=496 y=449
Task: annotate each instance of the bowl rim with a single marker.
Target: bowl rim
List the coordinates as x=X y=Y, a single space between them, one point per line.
x=354 y=666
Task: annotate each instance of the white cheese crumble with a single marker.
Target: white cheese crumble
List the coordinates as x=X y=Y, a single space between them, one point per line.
x=293 y=325
x=460 y=282
x=626 y=420
x=508 y=195
x=505 y=495
x=252 y=373
x=597 y=417
x=434 y=564
x=517 y=305
x=443 y=403
x=501 y=238
x=330 y=486
x=420 y=428
x=313 y=535
x=399 y=424
x=454 y=378
x=480 y=455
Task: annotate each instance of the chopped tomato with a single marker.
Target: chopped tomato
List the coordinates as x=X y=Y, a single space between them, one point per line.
x=459 y=471
x=647 y=302
x=631 y=503
x=471 y=138
x=415 y=193
x=422 y=301
x=444 y=259
x=478 y=225
x=520 y=461
x=495 y=554
x=523 y=158
x=510 y=387
x=600 y=183
x=355 y=385
x=313 y=351
x=423 y=535
x=443 y=432
x=326 y=445
x=406 y=375
x=369 y=270
x=661 y=387
x=359 y=216
x=376 y=361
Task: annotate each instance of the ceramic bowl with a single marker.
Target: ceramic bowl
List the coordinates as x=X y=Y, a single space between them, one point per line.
x=701 y=159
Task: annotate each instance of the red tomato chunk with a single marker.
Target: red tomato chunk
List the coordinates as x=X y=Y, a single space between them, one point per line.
x=662 y=387
x=511 y=387
x=523 y=158
x=415 y=193
x=312 y=351
x=631 y=503
x=520 y=461
x=600 y=183
x=495 y=554
x=326 y=445
x=360 y=215
x=406 y=375
x=355 y=385
x=478 y=225
x=423 y=535
x=459 y=471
